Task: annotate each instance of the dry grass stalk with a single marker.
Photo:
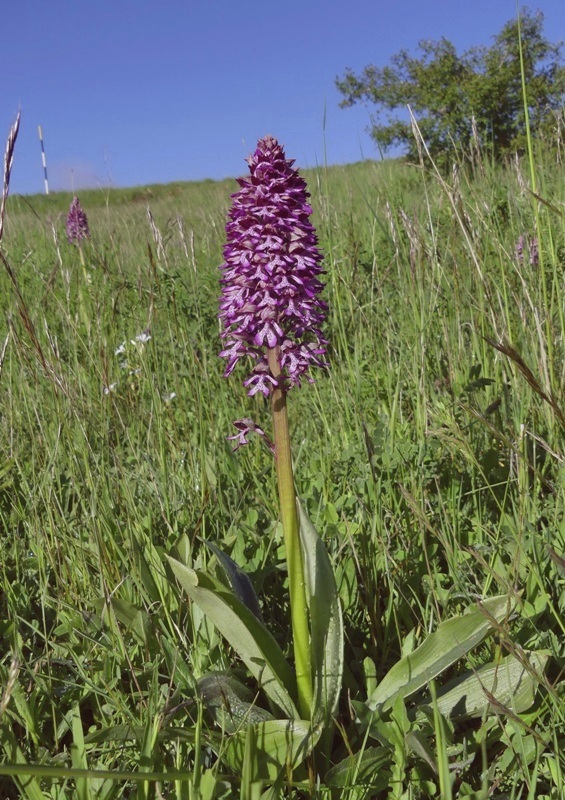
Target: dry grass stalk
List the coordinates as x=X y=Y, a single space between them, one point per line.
x=22 y=306
x=476 y=150
x=180 y=225
x=192 y=256
x=157 y=237
x=506 y=349
x=58 y=249
x=519 y=175
x=8 y=161
x=3 y=352
x=9 y=688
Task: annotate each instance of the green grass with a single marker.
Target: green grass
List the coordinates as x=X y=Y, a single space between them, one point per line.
x=431 y=466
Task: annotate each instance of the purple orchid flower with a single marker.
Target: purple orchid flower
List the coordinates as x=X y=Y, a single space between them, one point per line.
x=77 y=223
x=270 y=276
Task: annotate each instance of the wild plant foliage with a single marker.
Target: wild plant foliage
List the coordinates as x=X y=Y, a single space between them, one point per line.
x=461 y=96
x=147 y=629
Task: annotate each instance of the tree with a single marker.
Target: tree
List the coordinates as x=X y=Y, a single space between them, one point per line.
x=447 y=91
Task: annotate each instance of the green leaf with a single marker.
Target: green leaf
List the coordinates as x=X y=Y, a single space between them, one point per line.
x=270 y=747
x=369 y=769
x=239 y=580
x=452 y=640
x=245 y=633
x=231 y=703
x=27 y=783
x=78 y=753
x=419 y=745
x=135 y=733
x=179 y=669
x=115 y=733
x=326 y=623
x=508 y=684
x=137 y=621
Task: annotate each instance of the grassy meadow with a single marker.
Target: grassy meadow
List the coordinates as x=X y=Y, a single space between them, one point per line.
x=429 y=456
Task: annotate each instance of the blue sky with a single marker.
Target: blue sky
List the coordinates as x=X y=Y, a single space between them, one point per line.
x=134 y=92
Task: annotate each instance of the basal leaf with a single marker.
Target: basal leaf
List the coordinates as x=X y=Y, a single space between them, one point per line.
x=508 y=684
x=245 y=633
x=115 y=733
x=326 y=624
x=231 y=703
x=270 y=747
x=452 y=640
x=370 y=769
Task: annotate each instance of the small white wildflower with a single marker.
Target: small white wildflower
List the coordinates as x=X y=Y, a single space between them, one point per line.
x=168 y=397
x=141 y=338
x=135 y=371
x=123 y=364
x=110 y=388
x=121 y=349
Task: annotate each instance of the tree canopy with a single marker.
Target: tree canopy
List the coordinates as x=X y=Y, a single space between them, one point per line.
x=450 y=94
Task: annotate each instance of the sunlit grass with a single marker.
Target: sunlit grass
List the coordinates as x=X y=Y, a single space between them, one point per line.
x=429 y=463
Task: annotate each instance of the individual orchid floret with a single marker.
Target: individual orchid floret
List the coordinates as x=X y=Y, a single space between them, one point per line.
x=270 y=275
x=77 y=223
x=244 y=428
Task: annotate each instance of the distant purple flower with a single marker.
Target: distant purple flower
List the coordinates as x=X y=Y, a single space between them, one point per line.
x=532 y=245
x=77 y=223
x=270 y=287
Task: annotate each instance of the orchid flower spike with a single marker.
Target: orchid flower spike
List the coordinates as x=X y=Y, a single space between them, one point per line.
x=270 y=276
x=77 y=223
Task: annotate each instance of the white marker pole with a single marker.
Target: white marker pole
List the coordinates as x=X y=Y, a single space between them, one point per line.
x=44 y=162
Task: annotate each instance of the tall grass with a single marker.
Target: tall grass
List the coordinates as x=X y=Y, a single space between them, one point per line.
x=430 y=457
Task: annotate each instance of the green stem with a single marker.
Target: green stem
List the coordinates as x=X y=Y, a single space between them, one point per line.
x=291 y=533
